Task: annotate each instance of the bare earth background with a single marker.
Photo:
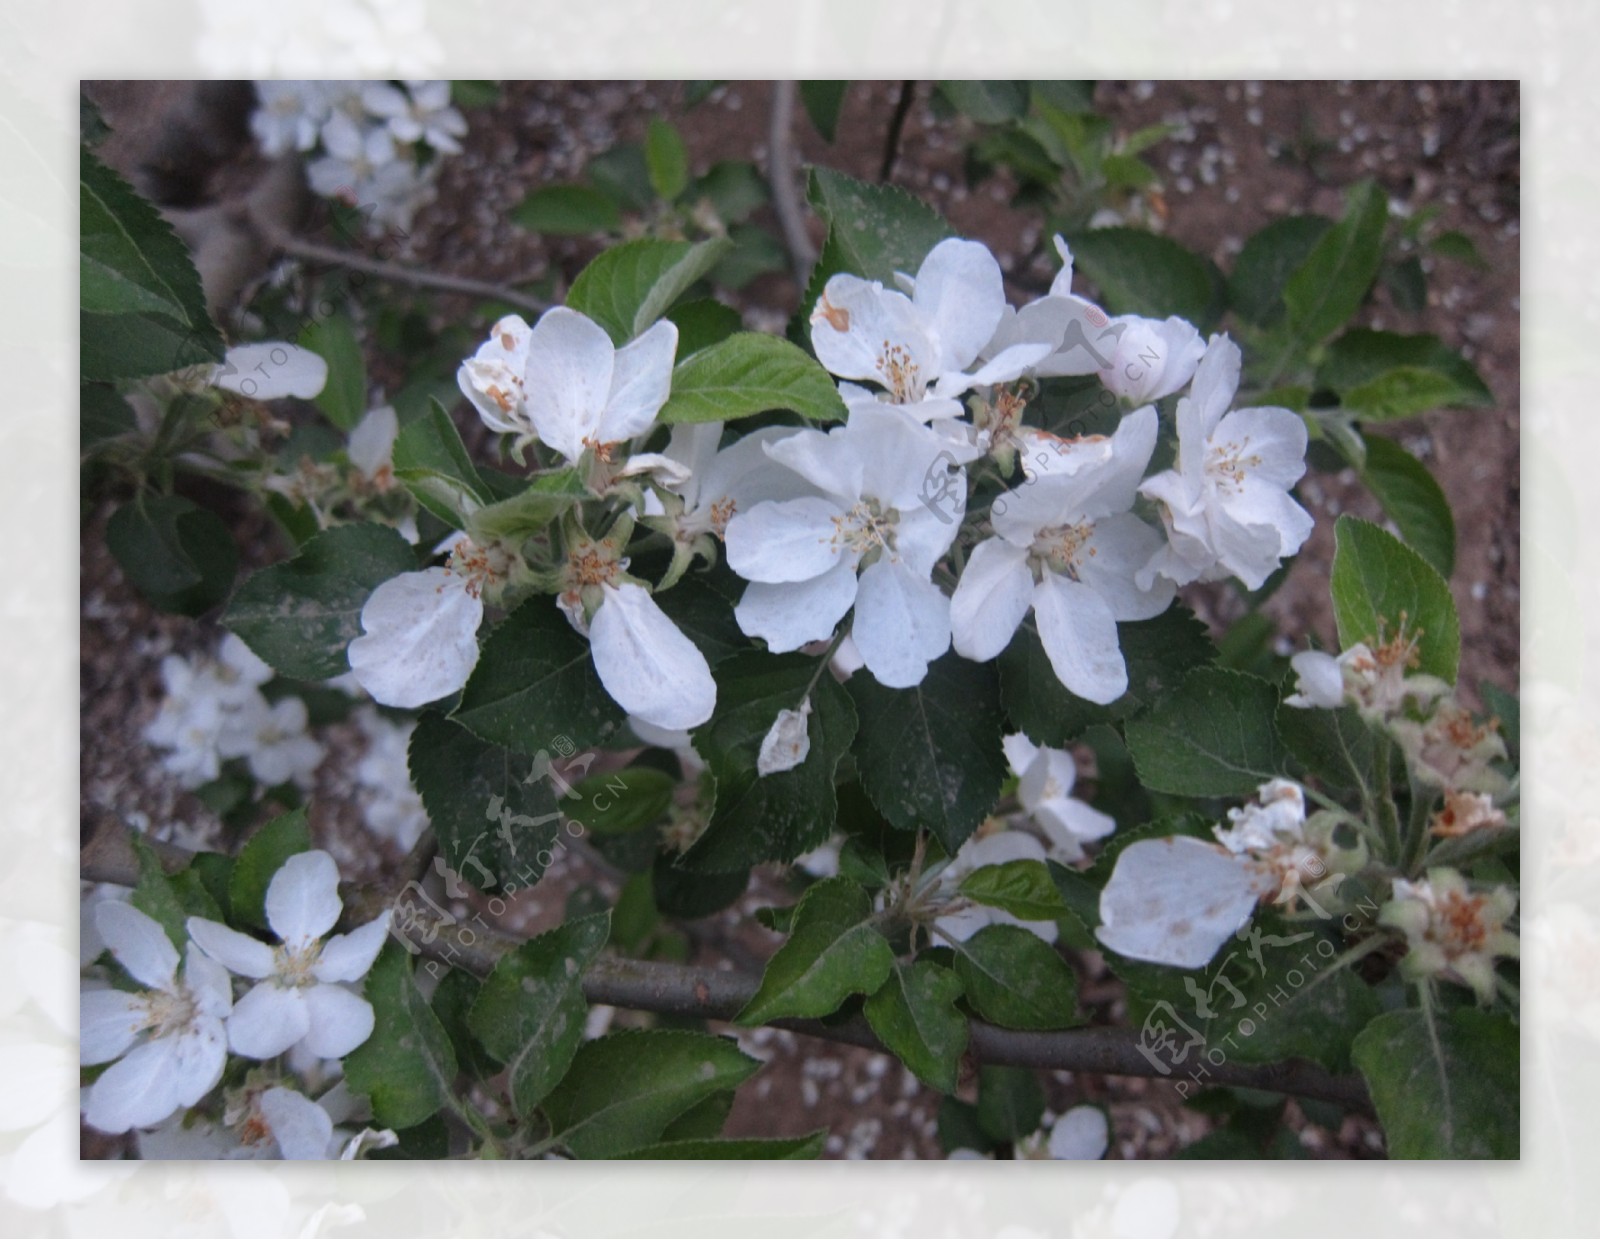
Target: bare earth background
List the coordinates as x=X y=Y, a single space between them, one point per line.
x=1243 y=154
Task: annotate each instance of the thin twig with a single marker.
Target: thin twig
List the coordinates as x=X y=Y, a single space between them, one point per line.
x=897 y=124
x=281 y=239
x=780 y=175
x=713 y=994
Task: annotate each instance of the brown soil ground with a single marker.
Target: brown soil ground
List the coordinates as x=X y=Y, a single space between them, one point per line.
x=1241 y=155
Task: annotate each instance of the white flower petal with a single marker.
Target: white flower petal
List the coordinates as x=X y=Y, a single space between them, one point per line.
x=372 y=441
x=825 y=459
x=858 y=322
x=990 y=600
x=1114 y=553
x=202 y=1053
x=238 y=953
x=570 y=365
x=787 y=741
x=1079 y=634
x=339 y=1021
x=1082 y=1133
x=208 y=983
x=1174 y=901
x=302 y=1129
x=302 y=901
x=268 y=1021
x=902 y=623
x=960 y=295
x=139 y=1090
x=646 y=663
x=787 y=615
x=1049 y=776
x=1019 y=750
x=420 y=638
x=791 y=540
x=347 y=957
x=271 y=371
x=1216 y=379
x=139 y=943
x=108 y=1023
x=1320 y=680
x=641 y=381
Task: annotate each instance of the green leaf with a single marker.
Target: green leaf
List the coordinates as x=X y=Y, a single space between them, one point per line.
x=1214 y=737
x=773 y=817
x=535 y=684
x=823 y=101
x=1380 y=584
x=988 y=103
x=621 y=801
x=302 y=614
x=704 y=616
x=1381 y=376
x=1337 y=746
x=155 y=895
x=1458 y=246
x=530 y=1013
x=431 y=460
x=1505 y=707
x=260 y=859
x=495 y=828
x=132 y=266
x=102 y=414
x=567 y=211
x=703 y=323
x=1255 y=289
x=1446 y=1091
x=177 y=554
x=1407 y=284
x=344 y=397
x=1141 y=273
x=666 y=158
x=1065 y=96
x=688 y=895
x=1327 y=289
x=930 y=756
x=513 y=520
x=702 y=1121
x=747 y=373
x=959 y=1128
x=914 y=1014
x=1159 y=653
x=1022 y=888
x=834 y=951
x=630 y=286
x=1010 y=1102
x=624 y=1089
x=452 y=1000
x=408 y=1066
x=742 y=1148
x=733 y=187
x=1413 y=500
x=466 y=93
x=696 y=92
x=1015 y=979
x=623 y=173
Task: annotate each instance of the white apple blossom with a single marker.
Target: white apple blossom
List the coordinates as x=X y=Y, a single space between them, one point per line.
x=270 y=370
x=1069 y=549
x=1452 y=750
x=291 y=114
x=389 y=799
x=300 y=993
x=720 y=482
x=1378 y=682
x=962 y=917
x=918 y=347
x=645 y=662
x=889 y=504
x=371 y=448
x=1226 y=505
x=583 y=394
x=418 y=112
x=280 y=750
x=1046 y=777
x=168 y=1040
x=494 y=379
x=1451 y=931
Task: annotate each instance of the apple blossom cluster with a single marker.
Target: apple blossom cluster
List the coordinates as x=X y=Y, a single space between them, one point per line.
x=375 y=144
x=389 y=800
x=214 y=711
x=1451 y=931
x=166 y=1040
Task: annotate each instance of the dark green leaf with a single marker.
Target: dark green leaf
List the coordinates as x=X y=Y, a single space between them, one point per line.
x=750 y=373
x=1158 y=652
x=689 y=895
x=1445 y=1090
x=1213 y=737
x=703 y=323
x=988 y=103
x=914 y=1014
x=779 y=816
x=1337 y=746
x=1508 y=710
x=431 y=460
x=260 y=859
x=1381 y=376
x=624 y=1089
x=474 y=94
x=930 y=756
x=623 y=173
x=621 y=801
x=1328 y=288
x=1015 y=979
x=531 y=1011
x=823 y=101
x=178 y=555
x=834 y=951
x=155 y=894
x=102 y=414
x=1413 y=500
x=344 y=398
x=1407 y=284
x=741 y=1148
x=756 y=252
x=630 y=286
x=522 y=516
x=495 y=826
x=1380 y=584
x=666 y=158
x=695 y=93
x=1010 y=1102
x=535 y=684
x=567 y=211
x=733 y=187
x=1065 y=96
x=1022 y=888
x=301 y=615
x=1141 y=273
x=407 y=1067
x=452 y=1000
x=1457 y=246
x=1255 y=289
x=702 y=1121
